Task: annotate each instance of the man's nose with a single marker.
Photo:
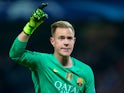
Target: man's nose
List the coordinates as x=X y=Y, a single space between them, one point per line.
x=66 y=42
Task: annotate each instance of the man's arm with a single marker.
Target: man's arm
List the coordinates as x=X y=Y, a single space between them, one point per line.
x=17 y=50
x=23 y=37
x=36 y=19
x=90 y=86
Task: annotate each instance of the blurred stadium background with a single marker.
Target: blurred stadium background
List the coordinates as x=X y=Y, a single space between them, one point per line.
x=99 y=26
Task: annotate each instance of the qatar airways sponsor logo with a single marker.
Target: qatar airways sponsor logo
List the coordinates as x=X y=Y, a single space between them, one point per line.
x=65 y=88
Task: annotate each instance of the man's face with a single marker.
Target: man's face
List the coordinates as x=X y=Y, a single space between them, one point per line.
x=63 y=41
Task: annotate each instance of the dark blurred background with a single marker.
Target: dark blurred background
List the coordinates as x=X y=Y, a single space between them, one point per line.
x=99 y=26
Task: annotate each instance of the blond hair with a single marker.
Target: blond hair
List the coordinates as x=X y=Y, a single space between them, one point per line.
x=61 y=24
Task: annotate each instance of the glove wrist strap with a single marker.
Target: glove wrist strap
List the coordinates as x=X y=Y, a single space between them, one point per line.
x=28 y=29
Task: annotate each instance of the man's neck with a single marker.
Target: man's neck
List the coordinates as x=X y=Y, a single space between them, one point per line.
x=65 y=61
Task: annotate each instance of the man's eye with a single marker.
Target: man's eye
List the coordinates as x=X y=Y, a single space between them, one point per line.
x=62 y=38
x=70 y=38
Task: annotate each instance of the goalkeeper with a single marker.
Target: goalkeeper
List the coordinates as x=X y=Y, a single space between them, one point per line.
x=57 y=72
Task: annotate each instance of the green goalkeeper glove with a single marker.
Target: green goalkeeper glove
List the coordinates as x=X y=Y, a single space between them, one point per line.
x=36 y=19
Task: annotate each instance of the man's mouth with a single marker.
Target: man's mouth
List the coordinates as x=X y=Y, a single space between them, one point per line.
x=65 y=49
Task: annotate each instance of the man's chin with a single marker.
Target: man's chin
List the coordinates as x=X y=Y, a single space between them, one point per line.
x=66 y=55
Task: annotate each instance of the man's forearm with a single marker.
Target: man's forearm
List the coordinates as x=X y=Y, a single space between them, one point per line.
x=23 y=37
x=20 y=43
x=18 y=47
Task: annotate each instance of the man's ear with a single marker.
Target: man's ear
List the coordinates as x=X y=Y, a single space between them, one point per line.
x=52 y=41
x=74 y=39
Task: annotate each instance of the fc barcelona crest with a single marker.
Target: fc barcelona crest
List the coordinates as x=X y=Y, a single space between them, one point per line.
x=80 y=81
